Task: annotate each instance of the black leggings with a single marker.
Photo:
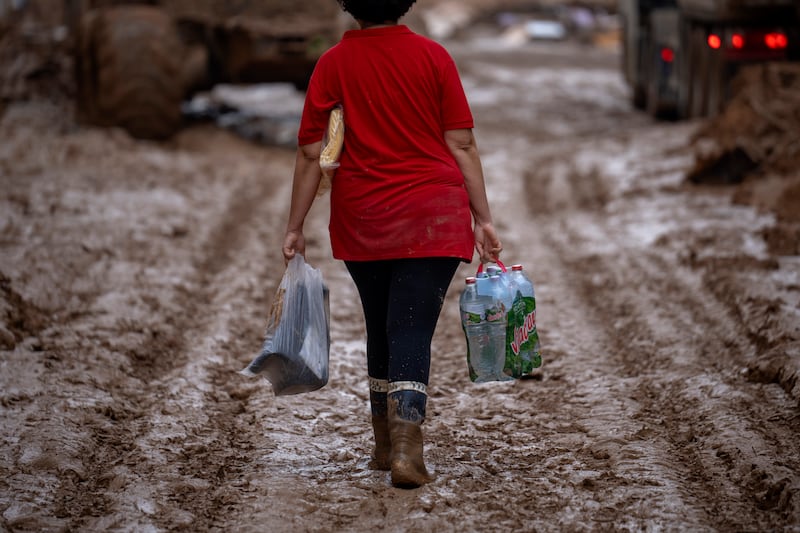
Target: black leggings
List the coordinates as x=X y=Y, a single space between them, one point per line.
x=402 y=299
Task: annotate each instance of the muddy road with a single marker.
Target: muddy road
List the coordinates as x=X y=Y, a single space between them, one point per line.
x=136 y=279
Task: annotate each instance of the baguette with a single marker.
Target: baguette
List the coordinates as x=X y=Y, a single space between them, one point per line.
x=332 y=149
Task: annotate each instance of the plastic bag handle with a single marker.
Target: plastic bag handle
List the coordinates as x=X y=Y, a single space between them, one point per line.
x=499 y=263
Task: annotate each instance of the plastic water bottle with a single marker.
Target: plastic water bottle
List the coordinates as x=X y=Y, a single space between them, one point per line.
x=496 y=324
x=482 y=282
x=523 y=340
x=473 y=320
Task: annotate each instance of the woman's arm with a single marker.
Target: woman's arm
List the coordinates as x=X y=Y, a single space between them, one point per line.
x=465 y=151
x=304 y=189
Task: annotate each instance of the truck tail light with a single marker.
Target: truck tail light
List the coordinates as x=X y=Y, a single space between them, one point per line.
x=714 y=41
x=776 y=40
x=752 y=44
x=667 y=55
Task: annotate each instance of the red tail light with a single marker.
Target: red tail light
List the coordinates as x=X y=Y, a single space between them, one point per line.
x=714 y=41
x=737 y=40
x=667 y=55
x=776 y=40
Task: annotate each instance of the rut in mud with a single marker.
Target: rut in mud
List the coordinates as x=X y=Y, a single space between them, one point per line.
x=136 y=279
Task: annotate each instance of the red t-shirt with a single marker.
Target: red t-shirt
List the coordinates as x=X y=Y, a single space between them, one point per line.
x=398 y=191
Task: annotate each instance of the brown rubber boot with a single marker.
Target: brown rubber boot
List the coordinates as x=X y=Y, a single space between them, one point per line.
x=407 y=465
x=383 y=444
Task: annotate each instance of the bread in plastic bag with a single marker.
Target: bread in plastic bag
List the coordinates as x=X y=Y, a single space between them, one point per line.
x=295 y=354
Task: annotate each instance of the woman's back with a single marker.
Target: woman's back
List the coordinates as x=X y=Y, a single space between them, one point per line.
x=398 y=191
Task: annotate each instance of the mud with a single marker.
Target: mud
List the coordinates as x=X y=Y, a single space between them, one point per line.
x=137 y=278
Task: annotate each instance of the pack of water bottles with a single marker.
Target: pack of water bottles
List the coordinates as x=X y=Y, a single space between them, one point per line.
x=498 y=315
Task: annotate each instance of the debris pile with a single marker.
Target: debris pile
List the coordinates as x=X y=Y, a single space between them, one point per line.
x=759 y=126
x=755 y=143
x=34 y=58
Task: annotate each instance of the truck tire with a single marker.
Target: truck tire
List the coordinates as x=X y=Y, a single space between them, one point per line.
x=129 y=71
x=716 y=83
x=641 y=83
x=684 y=69
x=630 y=72
x=639 y=97
x=698 y=63
x=655 y=107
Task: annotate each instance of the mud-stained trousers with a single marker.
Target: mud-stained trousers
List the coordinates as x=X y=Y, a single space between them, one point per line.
x=402 y=300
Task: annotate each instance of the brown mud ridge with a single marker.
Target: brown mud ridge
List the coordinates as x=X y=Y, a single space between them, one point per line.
x=753 y=143
x=137 y=278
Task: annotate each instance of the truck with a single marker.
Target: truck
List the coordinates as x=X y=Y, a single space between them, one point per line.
x=136 y=62
x=679 y=57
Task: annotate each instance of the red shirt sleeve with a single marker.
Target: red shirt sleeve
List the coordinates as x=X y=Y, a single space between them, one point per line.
x=318 y=104
x=456 y=113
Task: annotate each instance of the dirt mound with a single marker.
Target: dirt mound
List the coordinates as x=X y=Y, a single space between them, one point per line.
x=754 y=143
x=223 y=9
x=34 y=61
x=18 y=318
x=758 y=127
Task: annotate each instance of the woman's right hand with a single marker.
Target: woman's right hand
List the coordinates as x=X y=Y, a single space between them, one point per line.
x=293 y=243
x=487 y=243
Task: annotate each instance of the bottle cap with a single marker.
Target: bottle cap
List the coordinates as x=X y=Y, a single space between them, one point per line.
x=516 y=267
x=470 y=280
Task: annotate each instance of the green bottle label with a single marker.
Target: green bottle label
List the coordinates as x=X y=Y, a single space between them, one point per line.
x=522 y=339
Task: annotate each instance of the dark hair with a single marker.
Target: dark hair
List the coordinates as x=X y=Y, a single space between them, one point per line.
x=376 y=11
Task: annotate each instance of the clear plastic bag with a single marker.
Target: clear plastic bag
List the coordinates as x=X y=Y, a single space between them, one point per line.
x=294 y=356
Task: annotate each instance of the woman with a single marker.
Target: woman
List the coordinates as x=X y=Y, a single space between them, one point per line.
x=403 y=200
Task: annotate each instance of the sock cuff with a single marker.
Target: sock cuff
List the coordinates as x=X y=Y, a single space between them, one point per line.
x=417 y=386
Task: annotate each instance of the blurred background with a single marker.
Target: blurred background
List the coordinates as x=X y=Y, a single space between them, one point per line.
x=151 y=66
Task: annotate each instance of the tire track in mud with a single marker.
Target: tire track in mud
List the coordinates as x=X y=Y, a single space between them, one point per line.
x=677 y=352
x=165 y=352
x=179 y=432
x=704 y=413
x=594 y=465
x=200 y=429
